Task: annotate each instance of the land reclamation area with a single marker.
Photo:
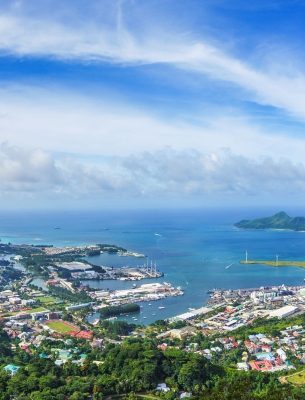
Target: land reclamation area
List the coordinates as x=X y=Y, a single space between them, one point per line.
x=276 y=263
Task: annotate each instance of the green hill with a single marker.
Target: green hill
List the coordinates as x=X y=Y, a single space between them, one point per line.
x=280 y=220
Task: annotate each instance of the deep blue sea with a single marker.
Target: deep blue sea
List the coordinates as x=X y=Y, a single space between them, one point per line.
x=191 y=247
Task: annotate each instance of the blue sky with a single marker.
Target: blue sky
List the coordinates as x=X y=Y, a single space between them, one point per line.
x=150 y=103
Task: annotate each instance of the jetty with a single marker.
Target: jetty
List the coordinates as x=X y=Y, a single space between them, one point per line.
x=194 y=313
x=275 y=263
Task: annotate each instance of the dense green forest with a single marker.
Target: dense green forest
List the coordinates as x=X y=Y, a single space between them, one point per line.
x=134 y=366
x=117 y=310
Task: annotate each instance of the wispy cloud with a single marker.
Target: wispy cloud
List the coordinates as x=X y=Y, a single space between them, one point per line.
x=72 y=144
x=66 y=122
x=120 y=40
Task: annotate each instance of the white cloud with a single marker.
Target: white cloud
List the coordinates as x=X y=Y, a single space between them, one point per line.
x=194 y=172
x=137 y=41
x=100 y=146
x=68 y=123
x=32 y=170
x=187 y=173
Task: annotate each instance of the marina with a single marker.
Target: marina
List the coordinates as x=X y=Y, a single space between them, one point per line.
x=188 y=238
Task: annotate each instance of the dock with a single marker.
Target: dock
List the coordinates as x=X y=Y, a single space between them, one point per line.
x=190 y=314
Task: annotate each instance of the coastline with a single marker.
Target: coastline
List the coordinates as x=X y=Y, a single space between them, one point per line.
x=193 y=252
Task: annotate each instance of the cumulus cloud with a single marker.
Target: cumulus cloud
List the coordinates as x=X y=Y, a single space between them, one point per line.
x=167 y=173
x=192 y=172
x=32 y=170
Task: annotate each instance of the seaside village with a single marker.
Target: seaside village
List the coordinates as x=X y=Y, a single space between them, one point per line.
x=257 y=329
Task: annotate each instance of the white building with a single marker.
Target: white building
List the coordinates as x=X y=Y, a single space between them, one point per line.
x=162 y=387
x=243 y=366
x=282 y=354
x=283 y=312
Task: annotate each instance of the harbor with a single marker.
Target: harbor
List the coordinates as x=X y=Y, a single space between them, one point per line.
x=145 y=292
x=192 y=255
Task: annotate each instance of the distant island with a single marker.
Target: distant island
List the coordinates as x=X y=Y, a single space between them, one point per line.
x=280 y=220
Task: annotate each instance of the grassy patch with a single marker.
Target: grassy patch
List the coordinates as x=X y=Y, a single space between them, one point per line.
x=297 y=378
x=300 y=264
x=62 y=327
x=47 y=299
x=30 y=311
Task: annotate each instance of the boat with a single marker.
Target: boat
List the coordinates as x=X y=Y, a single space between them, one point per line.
x=211 y=291
x=161 y=307
x=144 y=317
x=112 y=318
x=149 y=304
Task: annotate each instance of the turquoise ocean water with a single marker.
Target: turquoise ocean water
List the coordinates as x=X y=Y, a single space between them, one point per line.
x=192 y=248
